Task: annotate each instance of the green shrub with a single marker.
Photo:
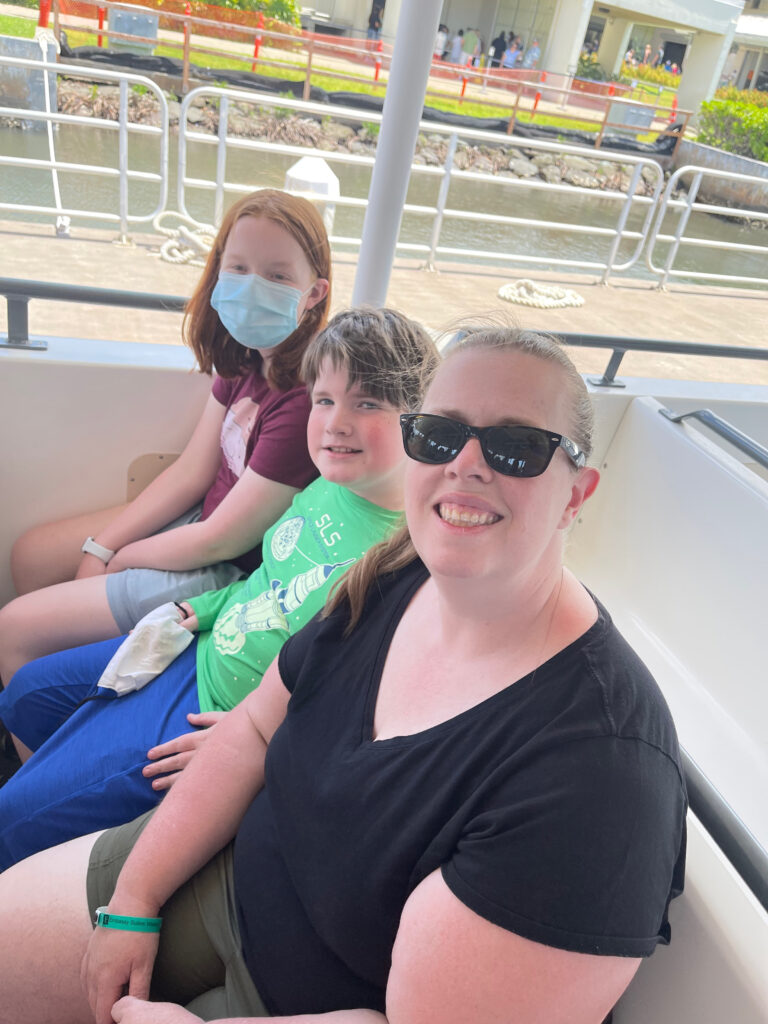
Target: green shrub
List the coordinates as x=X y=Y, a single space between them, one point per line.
x=589 y=68
x=751 y=97
x=738 y=128
x=645 y=73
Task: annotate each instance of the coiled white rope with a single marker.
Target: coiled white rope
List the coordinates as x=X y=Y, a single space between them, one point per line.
x=185 y=245
x=528 y=293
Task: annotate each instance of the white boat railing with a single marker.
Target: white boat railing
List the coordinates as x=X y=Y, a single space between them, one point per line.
x=618 y=204
x=685 y=207
x=122 y=173
x=629 y=224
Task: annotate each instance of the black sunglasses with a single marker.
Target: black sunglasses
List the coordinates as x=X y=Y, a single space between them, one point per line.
x=512 y=451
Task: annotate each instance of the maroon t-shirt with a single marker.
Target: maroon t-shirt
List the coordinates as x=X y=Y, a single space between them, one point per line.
x=264 y=430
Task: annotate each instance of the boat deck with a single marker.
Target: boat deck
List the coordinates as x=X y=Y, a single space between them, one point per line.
x=625 y=308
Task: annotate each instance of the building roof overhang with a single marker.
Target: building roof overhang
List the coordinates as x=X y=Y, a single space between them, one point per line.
x=751 y=30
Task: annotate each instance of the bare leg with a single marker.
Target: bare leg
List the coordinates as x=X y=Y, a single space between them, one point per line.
x=53 y=619
x=50 y=553
x=21 y=749
x=44 y=931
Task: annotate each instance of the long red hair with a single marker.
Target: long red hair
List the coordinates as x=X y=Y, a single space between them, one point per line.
x=205 y=334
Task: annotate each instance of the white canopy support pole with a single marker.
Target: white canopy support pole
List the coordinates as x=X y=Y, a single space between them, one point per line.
x=406 y=88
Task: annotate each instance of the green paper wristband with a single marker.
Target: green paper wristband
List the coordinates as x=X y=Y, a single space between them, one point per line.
x=127 y=924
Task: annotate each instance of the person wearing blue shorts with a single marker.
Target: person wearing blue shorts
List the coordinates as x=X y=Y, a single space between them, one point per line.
x=89 y=768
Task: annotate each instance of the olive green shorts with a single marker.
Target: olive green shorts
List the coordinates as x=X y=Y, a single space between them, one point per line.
x=199 y=963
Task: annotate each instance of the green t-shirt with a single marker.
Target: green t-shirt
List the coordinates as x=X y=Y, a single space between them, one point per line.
x=243 y=626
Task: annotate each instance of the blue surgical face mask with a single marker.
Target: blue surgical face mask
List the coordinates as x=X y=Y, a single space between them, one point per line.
x=256 y=312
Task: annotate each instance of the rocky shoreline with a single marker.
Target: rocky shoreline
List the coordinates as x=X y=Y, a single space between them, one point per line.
x=275 y=124
x=285 y=126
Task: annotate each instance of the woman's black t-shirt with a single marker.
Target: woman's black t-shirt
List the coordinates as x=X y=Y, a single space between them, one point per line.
x=555 y=809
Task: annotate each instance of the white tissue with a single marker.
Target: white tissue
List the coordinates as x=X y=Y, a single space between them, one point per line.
x=155 y=642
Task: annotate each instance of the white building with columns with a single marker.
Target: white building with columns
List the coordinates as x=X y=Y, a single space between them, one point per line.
x=747 y=64
x=698 y=35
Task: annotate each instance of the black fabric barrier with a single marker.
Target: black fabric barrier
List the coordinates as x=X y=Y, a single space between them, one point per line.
x=148 y=64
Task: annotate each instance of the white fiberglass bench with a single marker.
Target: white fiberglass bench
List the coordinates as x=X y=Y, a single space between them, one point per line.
x=675 y=544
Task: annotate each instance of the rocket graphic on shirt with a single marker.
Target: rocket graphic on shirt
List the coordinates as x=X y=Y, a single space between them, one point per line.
x=271 y=609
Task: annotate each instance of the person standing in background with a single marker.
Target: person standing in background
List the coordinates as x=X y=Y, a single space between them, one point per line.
x=512 y=53
x=479 y=57
x=532 y=57
x=441 y=41
x=470 y=47
x=456 y=47
x=498 y=46
x=374 y=20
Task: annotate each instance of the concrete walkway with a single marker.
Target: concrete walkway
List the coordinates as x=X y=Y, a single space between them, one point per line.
x=624 y=308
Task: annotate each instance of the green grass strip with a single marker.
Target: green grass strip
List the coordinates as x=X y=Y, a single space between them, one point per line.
x=21 y=28
x=323 y=79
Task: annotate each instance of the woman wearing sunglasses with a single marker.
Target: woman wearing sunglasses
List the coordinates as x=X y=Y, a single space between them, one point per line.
x=455 y=797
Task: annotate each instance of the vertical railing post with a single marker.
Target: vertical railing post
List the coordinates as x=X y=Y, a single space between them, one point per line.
x=622 y=221
x=608 y=380
x=681 y=133
x=18 y=325
x=44 y=13
x=257 y=39
x=185 y=61
x=603 y=124
x=442 y=197
x=18 y=319
x=122 y=161
x=513 y=116
x=568 y=86
x=181 y=165
x=221 y=160
x=689 y=201
x=307 y=90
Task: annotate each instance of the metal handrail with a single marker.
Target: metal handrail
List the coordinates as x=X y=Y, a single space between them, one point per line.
x=122 y=126
x=688 y=206
x=746 y=855
x=723 y=429
x=620 y=203
x=18 y=293
x=620 y=346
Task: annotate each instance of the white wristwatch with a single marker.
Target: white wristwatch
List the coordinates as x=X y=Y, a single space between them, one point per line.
x=91 y=547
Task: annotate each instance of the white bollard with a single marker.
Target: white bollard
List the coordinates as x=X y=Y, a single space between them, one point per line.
x=312 y=177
